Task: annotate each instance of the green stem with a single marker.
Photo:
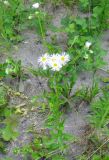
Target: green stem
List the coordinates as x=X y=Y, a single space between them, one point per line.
x=42 y=32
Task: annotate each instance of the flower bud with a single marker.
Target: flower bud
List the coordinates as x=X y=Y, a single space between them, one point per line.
x=36 y=5
x=88 y=44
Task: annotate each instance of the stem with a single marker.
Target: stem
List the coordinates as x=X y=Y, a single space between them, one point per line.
x=41 y=29
x=89 y=18
x=55 y=83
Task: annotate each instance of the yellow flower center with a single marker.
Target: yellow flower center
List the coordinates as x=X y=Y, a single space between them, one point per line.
x=63 y=58
x=55 y=65
x=43 y=59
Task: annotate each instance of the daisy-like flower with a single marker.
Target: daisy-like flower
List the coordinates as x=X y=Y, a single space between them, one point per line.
x=55 y=66
x=54 y=57
x=64 y=58
x=43 y=61
x=35 y=5
x=88 y=44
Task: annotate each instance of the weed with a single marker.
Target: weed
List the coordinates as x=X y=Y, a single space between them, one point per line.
x=99 y=13
x=78 y=35
x=13 y=15
x=11 y=68
x=100 y=111
x=52 y=142
x=7 y=119
x=39 y=20
x=87 y=94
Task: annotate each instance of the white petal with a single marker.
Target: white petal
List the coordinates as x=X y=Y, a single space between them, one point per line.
x=36 y=5
x=88 y=44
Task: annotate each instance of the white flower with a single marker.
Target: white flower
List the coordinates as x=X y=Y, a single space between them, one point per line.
x=54 y=57
x=64 y=58
x=43 y=61
x=88 y=44
x=35 y=5
x=55 y=66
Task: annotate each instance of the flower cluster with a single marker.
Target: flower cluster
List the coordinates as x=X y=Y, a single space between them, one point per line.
x=55 y=61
